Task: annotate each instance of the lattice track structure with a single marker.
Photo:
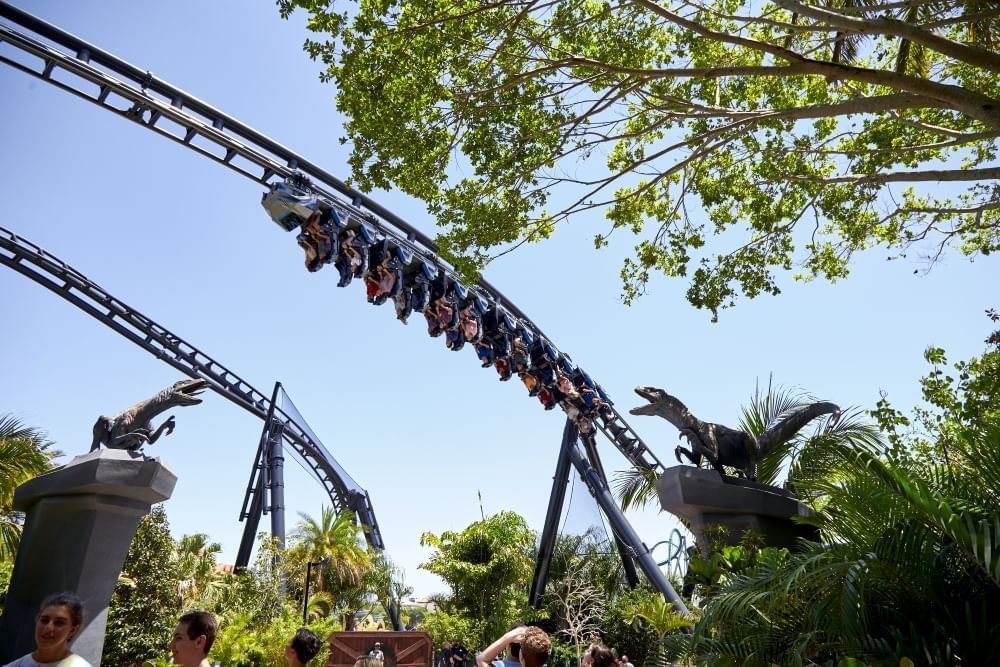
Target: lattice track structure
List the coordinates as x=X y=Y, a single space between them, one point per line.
x=49 y=271
x=82 y=69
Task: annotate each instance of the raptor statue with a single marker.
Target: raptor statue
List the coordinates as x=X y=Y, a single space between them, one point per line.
x=724 y=446
x=133 y=428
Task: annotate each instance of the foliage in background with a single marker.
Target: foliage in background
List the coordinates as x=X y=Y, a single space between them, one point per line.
x=196 y=566
x=563 y=655
x=580 y=606
x=909 y=562
x=445 y=626
x=796 y=134
x=488 y=567
x=25 y=452
x=335 y=537
x=145 y=603
x=242 y=641
x=621 y=630
x=412 y=615
x=255 y=594
x=6 y=569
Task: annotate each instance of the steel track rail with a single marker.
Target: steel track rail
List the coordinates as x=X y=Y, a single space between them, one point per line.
x=128 y=91
x=57 y=276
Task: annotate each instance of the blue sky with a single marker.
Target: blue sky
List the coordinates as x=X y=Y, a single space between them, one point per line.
x=423 y=429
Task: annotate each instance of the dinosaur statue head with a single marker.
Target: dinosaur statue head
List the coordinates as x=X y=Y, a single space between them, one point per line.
x=661 y=404
x=185 y=392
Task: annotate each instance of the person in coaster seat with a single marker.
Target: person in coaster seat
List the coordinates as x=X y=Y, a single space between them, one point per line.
x=420 y=293
x=470 y=323
x=351 y=259
x=404 y=307
x=317 y=240
x=380 y=282
x=430 y=314
x=547 y=396
x=485 y=353
x=387 y=282
x=454 y=340
x=503 y=368
x=530 y=383
x=519 y=359
x=439 y=316
x=447 y=312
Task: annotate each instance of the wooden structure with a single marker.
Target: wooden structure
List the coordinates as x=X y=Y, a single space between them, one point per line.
x=400 y=649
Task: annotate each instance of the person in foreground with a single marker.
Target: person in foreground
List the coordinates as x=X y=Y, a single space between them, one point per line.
x=302 y=648
x=193 y=639
x=534 y=642
x=58 y=622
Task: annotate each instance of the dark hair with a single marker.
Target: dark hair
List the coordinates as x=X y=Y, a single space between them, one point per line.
x=201 y=623
x=601 y=655
x=73 y=604
x=306 y=645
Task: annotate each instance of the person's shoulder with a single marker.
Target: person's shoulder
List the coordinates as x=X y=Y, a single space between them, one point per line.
x=23 y=661
x=73 y=660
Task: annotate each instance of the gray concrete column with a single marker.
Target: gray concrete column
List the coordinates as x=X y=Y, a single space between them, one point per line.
x=701 y=498
x=80 y=521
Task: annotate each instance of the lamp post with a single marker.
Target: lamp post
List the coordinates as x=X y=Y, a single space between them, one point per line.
x=305 y=601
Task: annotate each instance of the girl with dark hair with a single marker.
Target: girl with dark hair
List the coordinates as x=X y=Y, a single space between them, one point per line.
x=58 y=623
x=598 y=655
x=302 y=648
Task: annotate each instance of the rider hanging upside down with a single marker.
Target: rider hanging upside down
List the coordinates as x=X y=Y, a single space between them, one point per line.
x=351 y=258
x=470 y=324
x=317 y=240
x=439 y=315
x=380 y=281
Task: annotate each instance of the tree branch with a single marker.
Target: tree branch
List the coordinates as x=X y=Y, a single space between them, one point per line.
x=885 y=25
x=975 y=105
x=985 y=174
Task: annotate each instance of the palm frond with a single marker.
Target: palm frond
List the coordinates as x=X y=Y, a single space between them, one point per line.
x=635 y=487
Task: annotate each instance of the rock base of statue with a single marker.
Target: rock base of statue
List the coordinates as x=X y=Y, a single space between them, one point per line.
x=702 y=498
x=80 y=521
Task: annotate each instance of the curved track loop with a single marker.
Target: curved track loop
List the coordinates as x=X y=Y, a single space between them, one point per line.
x=49 y=271
x=80 y=68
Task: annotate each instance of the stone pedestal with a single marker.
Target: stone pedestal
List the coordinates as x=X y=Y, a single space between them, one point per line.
x=702 y=498
x=80 y=521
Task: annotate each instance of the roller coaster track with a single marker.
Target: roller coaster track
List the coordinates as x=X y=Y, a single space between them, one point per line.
x=80 y=68
x=62 y=279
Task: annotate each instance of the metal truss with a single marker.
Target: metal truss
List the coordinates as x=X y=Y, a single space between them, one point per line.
x=80 y=68
x=49 y=271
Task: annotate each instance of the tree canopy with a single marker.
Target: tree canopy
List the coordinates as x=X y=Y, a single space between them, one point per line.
x=488 y=567
x=798 y=133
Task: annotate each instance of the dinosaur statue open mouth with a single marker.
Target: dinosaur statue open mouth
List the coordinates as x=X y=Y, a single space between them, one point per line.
x=186 y=391
x=651 y=394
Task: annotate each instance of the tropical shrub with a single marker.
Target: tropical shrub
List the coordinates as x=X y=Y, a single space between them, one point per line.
x=488 y=567
x=908 y=565
x=25 y=452
x=145 y=603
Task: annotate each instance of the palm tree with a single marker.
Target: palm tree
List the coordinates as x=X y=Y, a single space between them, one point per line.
x=335 y=537
x=908 y=566
x=25 y=452
x=196 y=558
